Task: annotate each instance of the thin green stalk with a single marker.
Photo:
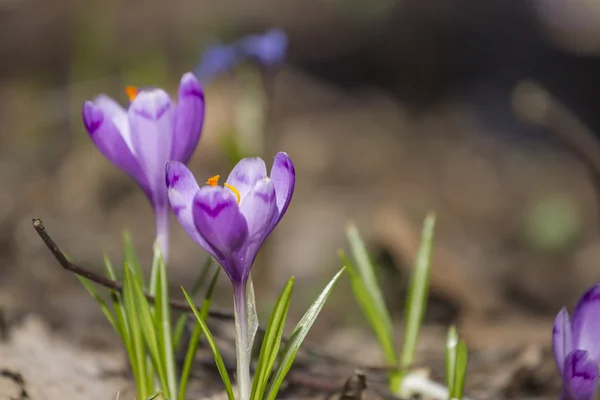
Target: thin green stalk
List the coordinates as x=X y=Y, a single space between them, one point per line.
x=196 y=334
x=183 y=318
x=144 y=388
x=241 y=327
x=165 y=329
x=417 y=294
x=189 y=359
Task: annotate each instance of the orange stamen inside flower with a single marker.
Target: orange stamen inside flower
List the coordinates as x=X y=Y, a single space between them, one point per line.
x=131 y=92
x=213 y=181
x=234 y=190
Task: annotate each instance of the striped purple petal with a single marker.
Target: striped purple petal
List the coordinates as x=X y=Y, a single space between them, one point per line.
x=580 y=377
x=108 y=139
x=219 y=221
x=151 y=122
x=586 y=323
x=189 y=117
x=246 y=173
x=283 y=176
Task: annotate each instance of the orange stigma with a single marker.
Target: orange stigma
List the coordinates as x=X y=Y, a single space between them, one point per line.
x=131 y=92
x=213 y=181
x=234 y=190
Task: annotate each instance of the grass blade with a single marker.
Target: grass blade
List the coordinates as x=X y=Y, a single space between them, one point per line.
x=297 y=337
x=138 y=351
x=364 y=268
x=460 y=371
x=182 y=320
x=149 y=332
x=162 y=315
x=196 y=334
x=271 y=342
x=450 y=357
x=213 y=346
x=120 y=312
x=89 y=286
x=417 y=293
x=379 y=319
x=131 y=259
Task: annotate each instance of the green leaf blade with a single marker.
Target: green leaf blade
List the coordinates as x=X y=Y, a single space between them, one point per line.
x=195 y=338
x=138 y=351
x=378 y=319
x=89 y=286
x=460 y=371
x=417 y=293
x=450 y=357
x=182 y=320
x=271 y=342
x=213 y=346
x=297 y=337
x=162 y=315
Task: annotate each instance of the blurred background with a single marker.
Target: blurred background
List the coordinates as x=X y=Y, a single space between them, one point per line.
x=484 y=111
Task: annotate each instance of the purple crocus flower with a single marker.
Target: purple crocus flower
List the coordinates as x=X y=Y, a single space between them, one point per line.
x=141 y=139
x=267 y=49
x=231 y=223
x=576 y=346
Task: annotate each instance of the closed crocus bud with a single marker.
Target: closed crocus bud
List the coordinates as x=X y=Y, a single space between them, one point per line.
x=577 y=348
x=141 y=139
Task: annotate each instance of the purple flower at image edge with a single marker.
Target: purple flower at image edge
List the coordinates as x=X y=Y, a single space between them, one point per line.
x=141 y=139
x=577 y=348
x=232 y=221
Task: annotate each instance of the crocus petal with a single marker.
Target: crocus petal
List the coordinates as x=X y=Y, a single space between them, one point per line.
x=580 y=376
x=189 y=116
x=182 y=188
x=586 y=323
x=258 y=208
x=118 y=115
x=562 y=339
x=245 y=174
x=109 y=106
x=218 y=219
x=151 y=120
x=111 y=144
x=283 y=176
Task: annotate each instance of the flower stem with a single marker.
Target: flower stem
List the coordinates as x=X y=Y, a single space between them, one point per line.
x=161 y=216
x=242 y=346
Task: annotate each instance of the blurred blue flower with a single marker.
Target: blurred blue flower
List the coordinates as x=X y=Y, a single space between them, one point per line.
x=217 y=59
x=267 y=49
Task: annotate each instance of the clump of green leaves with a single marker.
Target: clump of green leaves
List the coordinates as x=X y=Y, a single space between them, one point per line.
x=367 y=291
x=145 y=327
x=274 y=362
